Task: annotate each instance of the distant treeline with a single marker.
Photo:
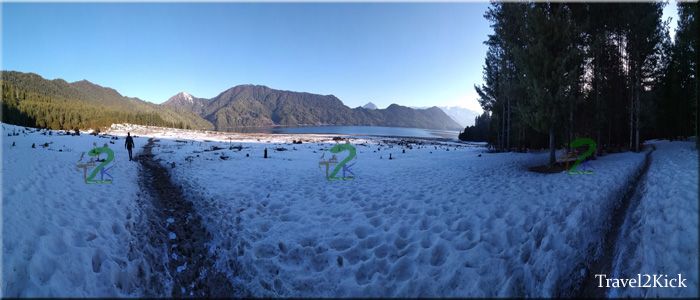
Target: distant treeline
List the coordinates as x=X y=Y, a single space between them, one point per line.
x=608 y=71
x=30 y=109
x=29 y=100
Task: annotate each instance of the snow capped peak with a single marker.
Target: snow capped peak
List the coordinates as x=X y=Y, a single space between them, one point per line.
x=182 y=97
x=186 y=96
x=370 y=105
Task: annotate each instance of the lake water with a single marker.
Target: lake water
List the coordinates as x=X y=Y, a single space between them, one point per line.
x=354 y=130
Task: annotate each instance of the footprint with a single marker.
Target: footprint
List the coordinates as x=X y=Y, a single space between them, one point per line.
x=265 y=251
x=97 y=260
x=400 y=243
x=55 y=244
x=438 y=228
x=265 y=227
x=439 y=255
x=320 y=262
x=404 y=231
x=376 y=221
x=426 y=241
x=282 y=247
x=362 y=231
x=356 y=255
x=341 y=244
x=308 y=242
x=42 y=231
x=382 y=251
x=41 y=268
x=370 y=242
x=431 y=212
x=116 y=228
x=463 y=224
x=364 y=273
x=403 y=269
x=424 y=224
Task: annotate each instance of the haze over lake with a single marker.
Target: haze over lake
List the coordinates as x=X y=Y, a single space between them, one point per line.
x=352 y=130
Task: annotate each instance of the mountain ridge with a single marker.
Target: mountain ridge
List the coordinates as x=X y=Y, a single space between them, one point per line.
x=31 y=100
x=28 y=99
x=250 y=105
x=369 y=105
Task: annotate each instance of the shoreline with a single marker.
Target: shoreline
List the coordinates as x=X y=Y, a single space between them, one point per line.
x=225 y=136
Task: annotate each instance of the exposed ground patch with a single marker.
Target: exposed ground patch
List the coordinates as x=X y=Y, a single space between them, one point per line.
x=175 y=226
x=604 y=264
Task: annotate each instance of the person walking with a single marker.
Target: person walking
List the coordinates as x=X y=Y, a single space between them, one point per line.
x=129 y=143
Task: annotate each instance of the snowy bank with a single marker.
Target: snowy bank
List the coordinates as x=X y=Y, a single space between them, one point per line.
x=61 y=236
x=660 y=234
x=437 y=220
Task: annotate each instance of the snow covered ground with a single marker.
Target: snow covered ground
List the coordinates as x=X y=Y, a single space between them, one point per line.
x=430 y=222
x=441 y=219
x=660 y=235
x=61 y=236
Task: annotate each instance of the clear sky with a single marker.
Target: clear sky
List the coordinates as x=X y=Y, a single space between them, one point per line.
x=671 y=11
x=410 y=54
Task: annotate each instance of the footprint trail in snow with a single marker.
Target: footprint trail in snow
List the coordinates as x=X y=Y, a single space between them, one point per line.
x=180 y=228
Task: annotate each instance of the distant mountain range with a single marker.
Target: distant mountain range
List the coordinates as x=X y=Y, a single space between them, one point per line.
x=257 y=106
x=463 y=116
x=369 y=105
x=30 y=100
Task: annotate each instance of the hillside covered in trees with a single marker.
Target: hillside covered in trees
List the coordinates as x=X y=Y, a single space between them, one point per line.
x=260 y=106
x=606 y=71
x=30 y=100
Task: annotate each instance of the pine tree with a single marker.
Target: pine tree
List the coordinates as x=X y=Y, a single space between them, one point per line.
x=550 y=62
x=644 y=32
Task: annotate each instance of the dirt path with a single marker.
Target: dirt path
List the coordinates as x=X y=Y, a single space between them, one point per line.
x=604 y=264
x=175 y=226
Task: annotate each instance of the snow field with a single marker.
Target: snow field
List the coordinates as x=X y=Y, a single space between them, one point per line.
x=62 y=237
x=430 y=222
x=446 y=223
x=661 y=231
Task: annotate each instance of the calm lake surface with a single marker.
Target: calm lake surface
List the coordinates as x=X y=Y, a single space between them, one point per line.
x=354 y=130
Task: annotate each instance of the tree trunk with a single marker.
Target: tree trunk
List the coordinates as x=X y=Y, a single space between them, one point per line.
x=552 y=157
x=598 y=125
x=571 y=125
x=598 y=142
x=638 y=88
x=609 y=132
x=508 y=127
x=631 y=107
x=503 y=126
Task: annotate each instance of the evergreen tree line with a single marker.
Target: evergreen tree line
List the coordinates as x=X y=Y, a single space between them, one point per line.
x=479 y=132
x=608 y=71
x=30 y=109
x=29 y=100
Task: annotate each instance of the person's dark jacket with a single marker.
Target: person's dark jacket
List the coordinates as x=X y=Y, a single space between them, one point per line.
x=129 y=143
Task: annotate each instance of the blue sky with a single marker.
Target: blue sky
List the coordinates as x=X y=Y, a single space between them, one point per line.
x=671 y=11
x=411 y=54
